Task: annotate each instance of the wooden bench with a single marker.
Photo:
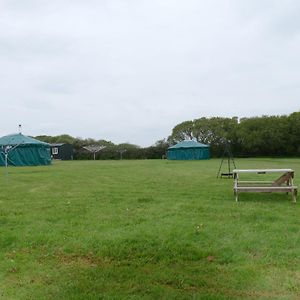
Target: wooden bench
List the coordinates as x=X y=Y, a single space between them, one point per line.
x=283 y=184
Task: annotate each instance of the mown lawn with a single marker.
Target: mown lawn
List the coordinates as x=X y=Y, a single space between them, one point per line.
x=148 y=229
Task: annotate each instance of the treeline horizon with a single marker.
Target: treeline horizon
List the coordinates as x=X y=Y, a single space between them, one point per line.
x=248 y=137
x=111 y=150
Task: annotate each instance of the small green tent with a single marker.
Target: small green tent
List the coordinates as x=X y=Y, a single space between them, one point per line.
x=22 y=150
x=189 y=150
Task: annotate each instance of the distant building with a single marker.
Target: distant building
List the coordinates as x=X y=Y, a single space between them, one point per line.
x=189 y=150
x=62 y=151
x=21 y=150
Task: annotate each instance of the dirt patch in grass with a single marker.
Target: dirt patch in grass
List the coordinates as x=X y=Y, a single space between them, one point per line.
x=82 y=260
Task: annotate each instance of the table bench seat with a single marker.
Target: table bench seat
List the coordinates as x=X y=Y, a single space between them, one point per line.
x=266 y=189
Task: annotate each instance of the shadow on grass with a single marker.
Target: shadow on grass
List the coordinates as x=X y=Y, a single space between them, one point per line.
x=84 y=279
x=265 y=198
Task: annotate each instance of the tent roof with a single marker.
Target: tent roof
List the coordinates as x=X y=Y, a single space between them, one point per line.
x=189 y=144
x=19 y=139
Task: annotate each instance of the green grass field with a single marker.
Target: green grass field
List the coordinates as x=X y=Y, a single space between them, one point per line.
x=145 y=230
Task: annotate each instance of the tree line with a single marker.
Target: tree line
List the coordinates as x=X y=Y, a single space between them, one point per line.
x=255 y=136
x=111 y=150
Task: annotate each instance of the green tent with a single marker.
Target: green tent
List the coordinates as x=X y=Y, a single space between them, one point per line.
x=189 y=150
x=22 y=150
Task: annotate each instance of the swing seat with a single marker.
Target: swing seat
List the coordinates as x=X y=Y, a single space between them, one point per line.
x=227 y=175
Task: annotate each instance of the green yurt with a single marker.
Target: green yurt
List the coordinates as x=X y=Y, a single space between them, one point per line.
x=189 y=150
x=22 y=150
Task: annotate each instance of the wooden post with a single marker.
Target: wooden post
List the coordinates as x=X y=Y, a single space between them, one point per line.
x=294 y=195
x=235 y=175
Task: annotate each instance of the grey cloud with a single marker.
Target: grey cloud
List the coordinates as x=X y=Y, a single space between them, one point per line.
x=131 y=70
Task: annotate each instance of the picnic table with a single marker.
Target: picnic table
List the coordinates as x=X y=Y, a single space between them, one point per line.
x=283 y=184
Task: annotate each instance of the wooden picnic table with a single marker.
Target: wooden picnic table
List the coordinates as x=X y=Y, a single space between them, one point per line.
x=283 y=184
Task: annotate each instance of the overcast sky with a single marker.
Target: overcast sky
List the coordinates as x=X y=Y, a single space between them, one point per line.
x=129 y=71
